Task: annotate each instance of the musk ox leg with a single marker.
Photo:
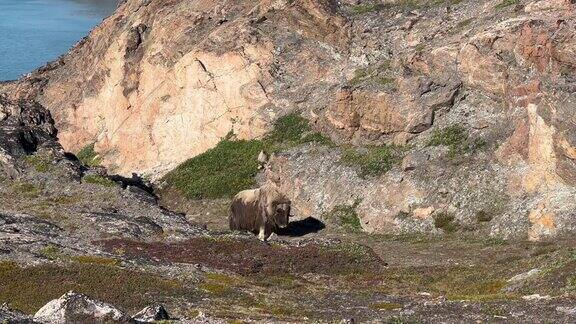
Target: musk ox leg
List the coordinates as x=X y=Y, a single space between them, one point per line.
x=262 y=234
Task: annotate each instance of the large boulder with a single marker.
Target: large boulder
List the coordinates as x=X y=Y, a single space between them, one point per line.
x=78 y=308
x=25 y=126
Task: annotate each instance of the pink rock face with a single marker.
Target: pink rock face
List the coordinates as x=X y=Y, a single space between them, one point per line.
x=166 y=83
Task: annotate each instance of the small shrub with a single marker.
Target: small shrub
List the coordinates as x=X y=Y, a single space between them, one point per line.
x=40 y=163
x=346 y=216
x=361 y=9
x=375 y=160
x=456 y=138
x=453 y=136
x=446 y=222
x=506 y=4
x=92 y=259
x=409 y=4
x=99 y=180
x=496 y=241
x=420 y=47
x=446 y=2
x=290 y=131
x=88 y=156
x=51 y=252
x=318 y=138
x=385 y=306
x=26 y=189
x=464 y=23
x=571 y=283
x=402 y=215
x=483 y=216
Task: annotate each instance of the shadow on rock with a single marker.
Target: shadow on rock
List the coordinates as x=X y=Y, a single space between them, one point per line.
x=302 y=227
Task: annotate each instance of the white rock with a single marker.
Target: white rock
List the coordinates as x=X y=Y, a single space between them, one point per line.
x=536 y=297
x=74 y=307
x=524 y=276
x=566 y=310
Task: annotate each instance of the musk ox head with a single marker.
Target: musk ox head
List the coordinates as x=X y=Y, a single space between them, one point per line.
x=277 y=205
x=282 y=214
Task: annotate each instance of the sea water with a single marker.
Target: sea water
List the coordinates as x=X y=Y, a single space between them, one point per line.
x=34 y=32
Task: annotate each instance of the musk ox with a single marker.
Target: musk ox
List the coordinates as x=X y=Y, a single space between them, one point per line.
x=260 y=211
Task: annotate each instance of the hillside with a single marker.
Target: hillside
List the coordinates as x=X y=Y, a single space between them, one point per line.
x=428 y=148
x=478 y=108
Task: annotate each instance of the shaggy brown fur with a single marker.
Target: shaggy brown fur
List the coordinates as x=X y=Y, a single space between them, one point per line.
x=260 y=211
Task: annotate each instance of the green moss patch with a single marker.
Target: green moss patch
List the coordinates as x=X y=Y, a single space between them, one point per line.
x=479 y=283
x=51 y=252
x=381 y=74
x=386 y=306
x=219 y=172
x=232 y=165
x=346 y=216
x=457 y=139
x=99 y=180
x=361 y=9
x=375 y=6
x=92 y=259
x=446 y=222
x=371 y=161
x=290 y=131
x=88 y=156
x=28 y=289
x=41 y=163
x=215 y=289
x=506 y=3
x=220 y=285
x=26 y=189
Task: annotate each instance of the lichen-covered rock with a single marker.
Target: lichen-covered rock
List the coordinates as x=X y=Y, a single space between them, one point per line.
x=25 y=126
x=78 y=308
x=8 y=315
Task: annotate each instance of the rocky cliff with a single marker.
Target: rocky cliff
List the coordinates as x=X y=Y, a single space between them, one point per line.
x=476 y=99
x=448 y=124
